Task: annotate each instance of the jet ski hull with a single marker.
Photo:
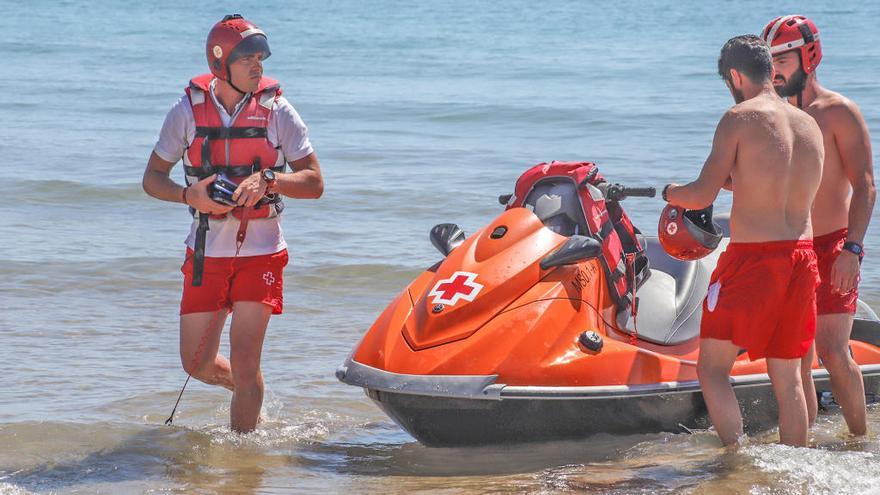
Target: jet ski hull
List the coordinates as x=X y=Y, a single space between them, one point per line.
x=446 y=411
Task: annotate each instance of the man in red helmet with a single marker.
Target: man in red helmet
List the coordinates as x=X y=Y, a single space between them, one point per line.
x=761 y=295
x=839 y=219
x=233 y=126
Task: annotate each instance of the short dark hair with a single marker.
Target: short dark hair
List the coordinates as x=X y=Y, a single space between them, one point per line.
x=748 y=54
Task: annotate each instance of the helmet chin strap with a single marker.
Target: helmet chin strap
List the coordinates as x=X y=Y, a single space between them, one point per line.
x=236 y=88
x=229 y=81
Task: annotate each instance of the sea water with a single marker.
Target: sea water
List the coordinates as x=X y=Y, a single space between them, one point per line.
x=420 y=113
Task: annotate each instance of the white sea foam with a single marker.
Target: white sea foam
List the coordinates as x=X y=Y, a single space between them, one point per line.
x=10 y=489
x=817 y=471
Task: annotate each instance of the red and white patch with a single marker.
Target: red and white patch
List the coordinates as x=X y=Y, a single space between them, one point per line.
x=671 y=228
x=460 y=286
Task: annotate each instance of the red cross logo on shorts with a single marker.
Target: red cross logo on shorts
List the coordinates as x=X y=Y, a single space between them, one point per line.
x=269 y=278
x=461 y=285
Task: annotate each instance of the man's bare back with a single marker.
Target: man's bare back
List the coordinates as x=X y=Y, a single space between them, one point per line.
x=777 y=169
x=771 y=154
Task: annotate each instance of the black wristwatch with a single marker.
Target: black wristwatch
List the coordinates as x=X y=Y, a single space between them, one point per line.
x=664 y=191
x=268 y=175
x=855 y=248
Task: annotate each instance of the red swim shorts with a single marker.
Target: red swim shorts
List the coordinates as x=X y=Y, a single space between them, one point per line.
x=762 y=297
x=828 y=247
x=228 y=280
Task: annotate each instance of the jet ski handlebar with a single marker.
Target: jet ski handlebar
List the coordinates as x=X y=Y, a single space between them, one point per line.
x=612 y=192
x=618 y=192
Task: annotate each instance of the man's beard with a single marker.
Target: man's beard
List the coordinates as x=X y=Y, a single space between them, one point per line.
x=795 y=84
x=738 y=95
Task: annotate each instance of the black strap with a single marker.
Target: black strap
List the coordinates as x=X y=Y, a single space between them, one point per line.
x=590 y=177
x=231 y=171
x=279 y=205
x=806 y=33
x=199 y=251
x=207 y=166
x=604 y=230
x=270 y=199
x=231 y=132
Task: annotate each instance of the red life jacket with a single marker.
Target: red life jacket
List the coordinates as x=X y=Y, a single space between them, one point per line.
x=239 y=150
x=623 y=258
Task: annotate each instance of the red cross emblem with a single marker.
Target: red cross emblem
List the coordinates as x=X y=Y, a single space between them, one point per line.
x=269 y=278
x=461 y=285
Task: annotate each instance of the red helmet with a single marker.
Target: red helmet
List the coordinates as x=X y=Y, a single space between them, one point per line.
x=795 y=32
x=230 y=39
x=688 y=234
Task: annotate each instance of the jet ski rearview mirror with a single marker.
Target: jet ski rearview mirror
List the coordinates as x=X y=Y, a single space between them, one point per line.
x=577 y=248
x=446 y=237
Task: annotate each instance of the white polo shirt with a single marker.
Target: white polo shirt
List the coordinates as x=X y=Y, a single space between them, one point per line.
x=286 y=128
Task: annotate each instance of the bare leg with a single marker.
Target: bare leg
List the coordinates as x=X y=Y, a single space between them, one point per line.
x=208 y=366
x=785 y=375
x=713 y=368
x=249 y=322
x=809 y=385
x=847 y=385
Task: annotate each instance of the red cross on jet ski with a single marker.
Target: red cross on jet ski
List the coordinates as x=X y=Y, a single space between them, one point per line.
x=461 y=285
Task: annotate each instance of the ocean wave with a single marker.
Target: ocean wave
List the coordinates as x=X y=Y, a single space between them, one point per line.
x=104 y=275
x=10 y=489
x=344 y=277
x=65 y=192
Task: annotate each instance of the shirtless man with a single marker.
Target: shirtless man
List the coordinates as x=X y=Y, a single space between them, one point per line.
x=839 y=221
x=762 y=294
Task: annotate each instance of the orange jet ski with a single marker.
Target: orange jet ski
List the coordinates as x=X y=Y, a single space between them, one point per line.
x=559 y=320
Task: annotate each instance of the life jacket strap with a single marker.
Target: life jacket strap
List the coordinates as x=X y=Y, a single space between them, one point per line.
x=231 y=132
x=199 y=251
x=231 y=171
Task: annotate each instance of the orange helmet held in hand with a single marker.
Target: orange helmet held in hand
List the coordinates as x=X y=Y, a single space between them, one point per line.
x=688 y=234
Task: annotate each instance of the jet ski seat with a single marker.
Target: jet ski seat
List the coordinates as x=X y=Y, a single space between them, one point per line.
x=555 y=201
x=671 y=299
